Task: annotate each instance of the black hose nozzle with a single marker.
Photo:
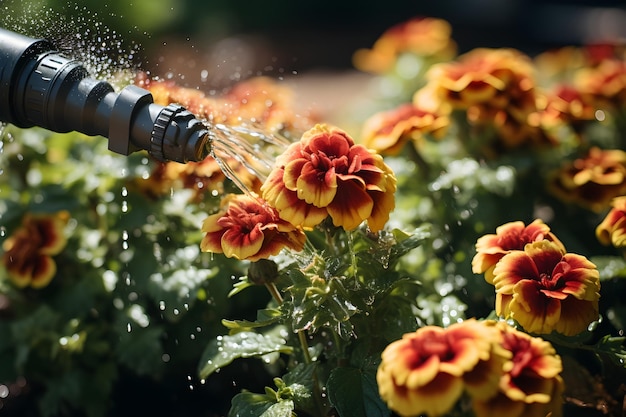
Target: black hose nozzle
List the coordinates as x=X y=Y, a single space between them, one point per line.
x=41 y=87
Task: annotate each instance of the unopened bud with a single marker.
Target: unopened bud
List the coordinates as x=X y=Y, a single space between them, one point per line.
x=263 y=272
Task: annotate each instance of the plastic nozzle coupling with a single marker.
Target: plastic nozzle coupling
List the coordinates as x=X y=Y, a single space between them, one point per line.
x=41 y=87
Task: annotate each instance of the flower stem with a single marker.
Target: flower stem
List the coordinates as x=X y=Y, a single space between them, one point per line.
x=271 y=287
x=305 y=346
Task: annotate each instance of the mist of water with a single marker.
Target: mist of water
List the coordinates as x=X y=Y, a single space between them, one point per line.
x=251 y=145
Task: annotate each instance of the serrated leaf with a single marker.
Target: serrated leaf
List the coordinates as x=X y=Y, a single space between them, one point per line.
x=280 y=409
x=226 y=349
x=354 y=393
x=614 y=348
x=247 y=404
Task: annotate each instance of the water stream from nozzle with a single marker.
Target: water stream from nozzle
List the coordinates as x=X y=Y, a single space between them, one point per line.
x=249 y=144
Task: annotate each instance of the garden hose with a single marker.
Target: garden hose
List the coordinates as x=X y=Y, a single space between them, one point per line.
x=41 y=87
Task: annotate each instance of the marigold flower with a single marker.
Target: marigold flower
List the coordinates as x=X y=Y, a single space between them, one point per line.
x=388 y=131
x=259 y=99
x=531 y=384
x=247 y=228
x=593 y=180
x=426 y=372
x=497 y=89
x=612 y=230
x=29 y=250
x=326 y=174
x=545 y=289
x=509 y=237
x=419 y=36
x=606 y=82
x=482 y=76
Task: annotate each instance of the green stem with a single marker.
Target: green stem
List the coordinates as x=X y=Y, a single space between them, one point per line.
x=271 y=287
x=305 y=346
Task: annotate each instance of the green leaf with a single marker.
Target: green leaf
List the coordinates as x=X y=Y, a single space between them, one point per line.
x=614 y=348
x=354 y=393
x=226 y=349
x=264 y=318
x=240 y=286
x=300 y=382
x=280 y=409
x=247 y=404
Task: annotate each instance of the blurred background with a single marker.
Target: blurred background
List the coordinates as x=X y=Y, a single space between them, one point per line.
x=208 y=40
x=212 y=44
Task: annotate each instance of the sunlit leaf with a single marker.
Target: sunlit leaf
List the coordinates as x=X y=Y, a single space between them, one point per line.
x=225 y=349
x=265 y=318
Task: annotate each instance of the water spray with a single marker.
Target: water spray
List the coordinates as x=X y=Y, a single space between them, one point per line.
x=39 y=86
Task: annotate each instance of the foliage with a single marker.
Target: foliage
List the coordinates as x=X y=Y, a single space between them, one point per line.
x=134 y=302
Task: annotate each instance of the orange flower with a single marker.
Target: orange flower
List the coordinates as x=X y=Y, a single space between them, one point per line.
x=247 y=228
x=426 y=372
x=259 y=99
x=606 y=82
x=593 y=180
x=28 y=252
x=388 y=131
x=545 y=289
x=531 y=385
x=497 y=89
x=482 y=76
x=509 y=237
x=325 y=173
x=612 y=230
x=201 y=177
x=419 y=36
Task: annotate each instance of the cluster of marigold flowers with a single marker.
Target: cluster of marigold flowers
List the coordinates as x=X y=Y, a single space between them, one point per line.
x=508 y=101
x=324 y=175
x=500 y=370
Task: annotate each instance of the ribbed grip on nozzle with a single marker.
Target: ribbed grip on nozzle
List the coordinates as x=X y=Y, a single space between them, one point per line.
x=179 y=136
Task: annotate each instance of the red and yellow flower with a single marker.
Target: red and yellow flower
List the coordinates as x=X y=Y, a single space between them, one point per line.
x=509 y=237
x=388 y=131
x=545 y=289
x=259 y=99
x=606 y=82
x=612 y=230
x=426 y=372
x=531 y=384
x=247 y=228
x=29 y=250
x=327 y=174
x=593 y=180
x=428 y=37
x=496 y=88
